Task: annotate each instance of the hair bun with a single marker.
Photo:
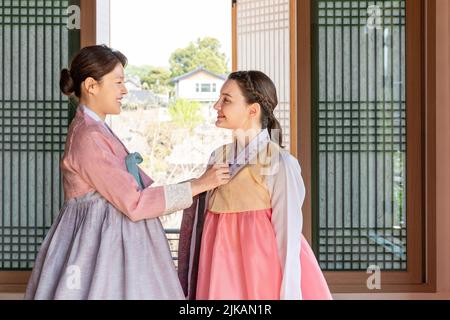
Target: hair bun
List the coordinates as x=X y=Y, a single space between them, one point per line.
x=66 y=82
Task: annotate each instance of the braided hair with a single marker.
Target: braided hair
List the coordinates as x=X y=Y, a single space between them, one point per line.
x=258 y=88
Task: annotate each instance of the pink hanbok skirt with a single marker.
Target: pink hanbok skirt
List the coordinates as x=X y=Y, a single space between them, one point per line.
x=239 y=260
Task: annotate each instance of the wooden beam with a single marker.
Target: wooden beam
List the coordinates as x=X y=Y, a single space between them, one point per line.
x=88 y=32
x=303 y=114
x=234 y=36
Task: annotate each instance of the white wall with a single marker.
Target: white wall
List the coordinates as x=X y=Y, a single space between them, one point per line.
x=187 y=89
x=103 y=22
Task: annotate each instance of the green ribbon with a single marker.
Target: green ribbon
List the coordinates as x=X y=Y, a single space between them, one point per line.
x=132 y=160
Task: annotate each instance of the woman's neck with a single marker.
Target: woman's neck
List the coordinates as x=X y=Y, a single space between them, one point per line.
x=91 y=105
x=244 y=136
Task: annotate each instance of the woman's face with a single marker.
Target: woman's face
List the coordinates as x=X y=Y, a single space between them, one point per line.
x=111 y=90
x=233 y=111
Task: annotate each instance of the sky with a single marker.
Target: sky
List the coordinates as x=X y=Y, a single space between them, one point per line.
x=148 y=31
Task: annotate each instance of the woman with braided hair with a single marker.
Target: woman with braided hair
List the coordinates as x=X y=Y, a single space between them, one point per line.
x=243 y=240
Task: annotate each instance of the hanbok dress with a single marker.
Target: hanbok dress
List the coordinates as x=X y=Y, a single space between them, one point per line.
x=243 y=240
x=107 y=241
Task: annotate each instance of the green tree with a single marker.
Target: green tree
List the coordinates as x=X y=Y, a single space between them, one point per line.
x=203 y=52
x=185 y=113
x=157 y=80
x=140 y=71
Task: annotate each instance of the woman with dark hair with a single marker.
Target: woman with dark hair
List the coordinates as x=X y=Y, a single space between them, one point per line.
x=107 y=242
x=243 y=240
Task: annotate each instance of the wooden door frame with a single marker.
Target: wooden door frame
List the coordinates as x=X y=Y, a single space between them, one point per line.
x=421 y=155
x=233 y=36
x=88 y=32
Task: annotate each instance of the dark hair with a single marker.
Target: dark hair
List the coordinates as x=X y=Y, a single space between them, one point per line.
x=257 y=87
x=93 y=61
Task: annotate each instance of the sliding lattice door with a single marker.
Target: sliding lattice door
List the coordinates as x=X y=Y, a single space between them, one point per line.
x=35 y=44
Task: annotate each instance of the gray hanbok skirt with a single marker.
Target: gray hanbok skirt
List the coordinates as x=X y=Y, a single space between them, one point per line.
x=93 y=251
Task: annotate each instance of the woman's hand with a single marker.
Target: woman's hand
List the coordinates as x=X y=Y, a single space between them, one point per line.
x=214 y=177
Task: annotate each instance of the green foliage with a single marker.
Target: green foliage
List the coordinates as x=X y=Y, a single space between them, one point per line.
x=203 y=52
x=155 y=79
x=158 y=80
x=140 y=71
x=185 y=113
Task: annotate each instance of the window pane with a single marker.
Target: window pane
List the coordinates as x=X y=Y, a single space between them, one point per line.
x=206 y=87
x=360 y=135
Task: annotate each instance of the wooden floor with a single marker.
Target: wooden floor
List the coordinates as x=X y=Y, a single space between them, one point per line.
x=11 y=296
x=337 y=296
